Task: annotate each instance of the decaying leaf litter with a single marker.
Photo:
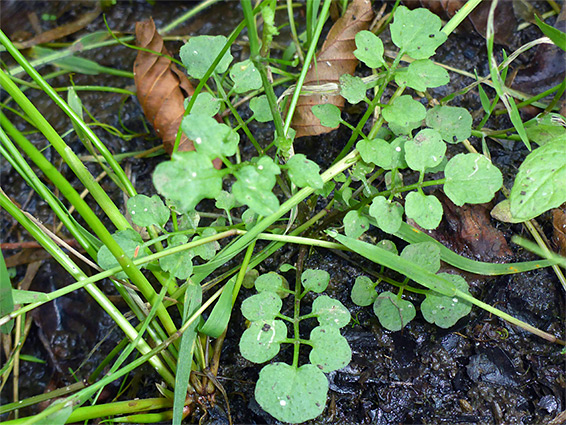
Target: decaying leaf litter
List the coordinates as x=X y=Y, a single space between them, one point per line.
x=407 y=356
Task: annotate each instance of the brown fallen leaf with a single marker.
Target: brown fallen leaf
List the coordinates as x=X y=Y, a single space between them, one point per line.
x=335 y=58
x=559 y=227
x=161 y=87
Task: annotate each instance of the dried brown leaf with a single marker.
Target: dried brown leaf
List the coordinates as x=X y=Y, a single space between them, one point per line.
x=335 y=58
x=559 y=227
x=161 y=87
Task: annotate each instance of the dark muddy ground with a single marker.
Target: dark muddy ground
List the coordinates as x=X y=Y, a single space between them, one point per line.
x=481 y=371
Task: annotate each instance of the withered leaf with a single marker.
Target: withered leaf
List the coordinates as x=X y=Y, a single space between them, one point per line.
x=559 y=227
x=161 y=87
x=335 y=58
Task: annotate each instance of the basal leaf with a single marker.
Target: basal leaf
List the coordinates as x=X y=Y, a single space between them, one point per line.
x=417 y=32
x=369 y=49
x=210 y=137
x=541 y=181
x=261 y=341
x=315 y=280
x=445 y=311
x=272 y=282
x=179 y=264
x=453 y=123
x=199 y=52
x=245 y=76
x=330 y=350
x=355 y=224
x=304 y=172
x=130 y=241
x=471 y=179
x=404 y=113
x=187 y=179
x=389 y=215
x=363 y=292
x=260 y=107
x=425 y=150
x=146 y=211
x=393 y=313
x=292 y=394
x=263 y=306
x=328 y=114
x=423 y=254
x=205 y=104
x=254 y=186
x=425 y=210
x=330 y=312
x=422 y=74
x=352 y=88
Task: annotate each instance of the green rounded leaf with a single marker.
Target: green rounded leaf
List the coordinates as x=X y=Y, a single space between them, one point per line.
x=254 y=186
x=179 y=264
x=445 y=311
x=426 y=150
x=328 y=114
x=245 y=76
x=393 y=313
x=330 y=350
x=454 y=124
x=291 y=394
x=330 y=312
x=208 y=250
x=404 y=113
x=369 y=49
x=205 y=104
x=262 y=340
x=146 y=211
x=417 y=32
x=262 y=306
x=272 y=282
x=304 y=172
x=209 y=136
x=363 y=292
x=389 y=215
x=352 y=88
x=130 y=241
x=471 y=179
x=199 y=52
x=315 y=280
x=425 y=210
x=187 y=179
x=260 y=107
x=422 y=74
x=376 y=151
x=355 y=224
x=423 y=254
x=387 y=245
x=541 y=181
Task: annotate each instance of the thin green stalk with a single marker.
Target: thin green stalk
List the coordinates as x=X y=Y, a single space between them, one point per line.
x=293 y=29
x=79 y=275
x=36 y=76
x=308 y=59
x=186 y=16
x=462 y=14
x=243 y=271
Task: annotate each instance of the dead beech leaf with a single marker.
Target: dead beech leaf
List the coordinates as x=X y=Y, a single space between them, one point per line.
x=161 y=87
x=335 y=58
x=559 y=227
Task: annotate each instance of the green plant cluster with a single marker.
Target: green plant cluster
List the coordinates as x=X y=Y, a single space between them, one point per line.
x=274 y=196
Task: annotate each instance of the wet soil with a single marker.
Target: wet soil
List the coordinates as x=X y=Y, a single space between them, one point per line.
x=480 y=371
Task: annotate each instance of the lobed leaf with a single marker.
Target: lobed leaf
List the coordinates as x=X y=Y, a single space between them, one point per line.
x=541 y=181
x=199 y=53
x=352 y=88
x=292 y=394
x=369 y=49
x=330 y=312
x=422 y=74
x=404 y=114
x=146 y=211
x=179 y=264
x=262 y=340
x=330 y=350
x=245 y=76
x=445 y=311
x=393 y=313
x=471 y=179
x=130 y=241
